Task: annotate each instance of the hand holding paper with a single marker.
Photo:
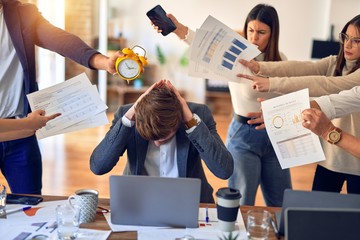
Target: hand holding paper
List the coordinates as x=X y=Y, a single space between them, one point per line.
x=294 y=145
x=76 y=100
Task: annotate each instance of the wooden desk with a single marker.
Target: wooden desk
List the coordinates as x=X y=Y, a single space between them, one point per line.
x=100 y=222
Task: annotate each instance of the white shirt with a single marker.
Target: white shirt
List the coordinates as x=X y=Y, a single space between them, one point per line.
x=161 y=161
x=339 y=105
x=11 y=75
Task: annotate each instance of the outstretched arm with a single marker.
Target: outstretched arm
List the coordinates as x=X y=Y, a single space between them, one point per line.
x=181 y=30
x=316 y=121
x=11 y=129
x=102 y=62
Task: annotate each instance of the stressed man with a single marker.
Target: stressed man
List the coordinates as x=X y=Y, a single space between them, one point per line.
x=165 y=136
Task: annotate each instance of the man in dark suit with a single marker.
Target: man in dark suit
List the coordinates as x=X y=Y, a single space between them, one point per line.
x=165 y=136
x=22 y=27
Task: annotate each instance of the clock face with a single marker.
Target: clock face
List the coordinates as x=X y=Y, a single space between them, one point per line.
x=129 y=68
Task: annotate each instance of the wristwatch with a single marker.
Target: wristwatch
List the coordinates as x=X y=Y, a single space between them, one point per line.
x=194 y=121
x=334 y=135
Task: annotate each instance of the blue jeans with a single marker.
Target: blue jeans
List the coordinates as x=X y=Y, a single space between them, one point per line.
x=255 y=163
x=20 y=163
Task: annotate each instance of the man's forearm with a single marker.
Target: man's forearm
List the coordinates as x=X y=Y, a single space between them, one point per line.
x=12 y=135
x=98 y=61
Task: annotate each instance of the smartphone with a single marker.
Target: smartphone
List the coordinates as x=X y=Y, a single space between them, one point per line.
x=22 y=199
x=158 y=16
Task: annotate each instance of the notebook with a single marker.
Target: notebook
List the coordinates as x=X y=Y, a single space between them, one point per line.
x=315 y=199
x=322 y=223
x=154 y=201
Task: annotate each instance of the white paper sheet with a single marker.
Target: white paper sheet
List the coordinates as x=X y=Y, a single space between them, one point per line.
x=205 y=230
x=294 y=145
x=78 y=102
x=125 y=228
x=208 y=231
x=216 y=50
x=39 y=221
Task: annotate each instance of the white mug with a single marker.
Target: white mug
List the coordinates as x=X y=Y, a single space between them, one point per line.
x=87 y=201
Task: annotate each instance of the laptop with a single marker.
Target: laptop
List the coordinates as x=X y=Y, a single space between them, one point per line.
x=322 y=223
x=155 y=201
x=315 y=199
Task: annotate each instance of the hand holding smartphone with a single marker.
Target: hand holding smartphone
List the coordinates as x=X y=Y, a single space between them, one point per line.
x=158 y=17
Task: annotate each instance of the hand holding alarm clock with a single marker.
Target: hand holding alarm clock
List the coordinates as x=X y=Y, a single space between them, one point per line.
x=131 y=65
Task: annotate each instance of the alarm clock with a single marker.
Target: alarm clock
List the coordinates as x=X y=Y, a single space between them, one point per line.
x=131 y=65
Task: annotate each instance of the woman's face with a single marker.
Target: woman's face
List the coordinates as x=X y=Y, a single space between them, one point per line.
x=258 y=33
x=352 y=44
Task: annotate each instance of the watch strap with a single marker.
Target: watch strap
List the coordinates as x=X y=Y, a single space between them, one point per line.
x=194 y=121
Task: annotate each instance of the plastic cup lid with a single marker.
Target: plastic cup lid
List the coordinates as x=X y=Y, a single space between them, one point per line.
x=228 y=193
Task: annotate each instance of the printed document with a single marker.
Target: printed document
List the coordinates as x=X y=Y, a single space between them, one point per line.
x=76 y=99
x=294 y=145
x=39 y=222
x=206 y=230
x=216 y=50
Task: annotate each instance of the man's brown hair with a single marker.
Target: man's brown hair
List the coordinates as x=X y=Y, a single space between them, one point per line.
x=158 y=114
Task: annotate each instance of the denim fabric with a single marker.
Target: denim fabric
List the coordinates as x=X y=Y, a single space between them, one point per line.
x=255 y=163
x=20 y=163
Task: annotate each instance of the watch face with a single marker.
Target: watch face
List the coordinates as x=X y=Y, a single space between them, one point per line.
x=334 y=136
x=128 y=68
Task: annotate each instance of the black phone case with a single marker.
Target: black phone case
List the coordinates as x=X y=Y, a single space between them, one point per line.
x=22 y=199
x=158 y=16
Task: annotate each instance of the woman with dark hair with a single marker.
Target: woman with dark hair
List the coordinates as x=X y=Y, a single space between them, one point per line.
x=255 y=161
x=268 y=45
x=326 y=76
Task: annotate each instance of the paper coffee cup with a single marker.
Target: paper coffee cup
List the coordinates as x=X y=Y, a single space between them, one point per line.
x=227 y=208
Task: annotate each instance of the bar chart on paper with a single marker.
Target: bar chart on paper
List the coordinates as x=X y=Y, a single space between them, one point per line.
x=232 y=54
x=214 y=43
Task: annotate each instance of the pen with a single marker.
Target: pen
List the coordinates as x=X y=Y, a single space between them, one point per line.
x=103 y=210
x=207 y=215
x=17 y=210
x=276 y=231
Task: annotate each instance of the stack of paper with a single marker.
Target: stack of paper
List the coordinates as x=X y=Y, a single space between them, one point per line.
x=216 y=50
x=76 y=99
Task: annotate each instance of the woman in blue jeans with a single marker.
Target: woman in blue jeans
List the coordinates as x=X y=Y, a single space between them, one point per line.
x=255 y=162
x=254 y=157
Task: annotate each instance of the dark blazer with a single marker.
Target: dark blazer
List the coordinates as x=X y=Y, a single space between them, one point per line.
x=203 y=143
x=27 y=29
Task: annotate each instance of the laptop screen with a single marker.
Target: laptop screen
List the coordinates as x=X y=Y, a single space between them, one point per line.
x=322 y=223
x=154 y=201
x=316 y=199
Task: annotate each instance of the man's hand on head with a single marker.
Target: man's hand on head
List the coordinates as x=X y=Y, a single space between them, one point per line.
x=130 y=114
x=187 y=114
